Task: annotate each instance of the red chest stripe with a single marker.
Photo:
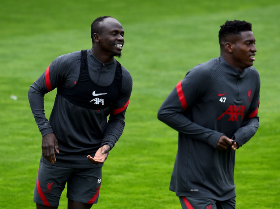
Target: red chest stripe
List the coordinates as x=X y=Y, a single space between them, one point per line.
x=116 y=111
x=181 y=95
x=47 y=79
x=253 y=114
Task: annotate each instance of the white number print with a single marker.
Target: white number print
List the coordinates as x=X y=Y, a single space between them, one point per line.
x=223 y=99
x=97 y=101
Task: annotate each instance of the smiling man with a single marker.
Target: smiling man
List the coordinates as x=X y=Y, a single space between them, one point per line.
x=91 y=86
x=215 y=110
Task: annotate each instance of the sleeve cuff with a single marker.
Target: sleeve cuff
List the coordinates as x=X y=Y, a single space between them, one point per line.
x=213 y=139
x=111 y=145
x=46 y=131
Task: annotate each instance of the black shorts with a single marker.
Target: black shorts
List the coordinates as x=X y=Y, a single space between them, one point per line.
x=206 y=203
x=83 y=185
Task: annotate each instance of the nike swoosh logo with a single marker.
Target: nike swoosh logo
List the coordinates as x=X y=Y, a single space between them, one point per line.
x=95 y=95
x=220 y=95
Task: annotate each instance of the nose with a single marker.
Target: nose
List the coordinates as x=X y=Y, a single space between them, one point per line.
x=254 y=49
x=120 y=38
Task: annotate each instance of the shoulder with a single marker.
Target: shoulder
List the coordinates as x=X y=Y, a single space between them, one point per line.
x=253 y=71
x=66 y=64
x=67 y=59
x=204 y=70
x=253 y=74
x=126 y=80
x=126 y=74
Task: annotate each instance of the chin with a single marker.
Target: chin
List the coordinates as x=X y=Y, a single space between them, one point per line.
x=117 y=55
x=248 y=64
x=251 y=64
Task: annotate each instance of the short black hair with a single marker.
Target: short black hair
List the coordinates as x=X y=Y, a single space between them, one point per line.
x=95 y=25
x=234 y=28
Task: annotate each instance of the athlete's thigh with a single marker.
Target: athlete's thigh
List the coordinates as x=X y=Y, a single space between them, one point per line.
x=84 y=185
x=197 y=203
x=228 y=204
x=49 y=184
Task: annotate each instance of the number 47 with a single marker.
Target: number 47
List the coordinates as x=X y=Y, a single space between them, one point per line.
x=223 y=99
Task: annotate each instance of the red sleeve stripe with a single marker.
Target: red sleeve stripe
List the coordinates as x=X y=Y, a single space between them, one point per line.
x=253 y=114
x=181 y=95
x=41 y=194
x=116 y=111
x=187 y=203
x=92 y=200
x=47 y=79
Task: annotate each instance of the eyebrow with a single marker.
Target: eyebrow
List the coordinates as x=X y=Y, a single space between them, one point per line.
x=250 y=40
x=116 y=30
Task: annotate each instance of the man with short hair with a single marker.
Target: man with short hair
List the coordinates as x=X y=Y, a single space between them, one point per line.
x=91 y=86
x=214 y=109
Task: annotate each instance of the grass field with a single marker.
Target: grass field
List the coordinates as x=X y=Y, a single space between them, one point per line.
x=164 y=39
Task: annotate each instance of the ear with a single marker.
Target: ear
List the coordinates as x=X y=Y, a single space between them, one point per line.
x=96 y=38
x=228 y=47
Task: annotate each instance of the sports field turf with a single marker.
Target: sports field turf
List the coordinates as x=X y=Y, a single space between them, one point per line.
x=164 y=39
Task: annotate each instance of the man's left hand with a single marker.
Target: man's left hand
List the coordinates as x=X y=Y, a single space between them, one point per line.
x=234 y=145
x=100 y=155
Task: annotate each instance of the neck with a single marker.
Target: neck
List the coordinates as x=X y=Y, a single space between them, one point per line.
x=100 y=55
x=229 y=60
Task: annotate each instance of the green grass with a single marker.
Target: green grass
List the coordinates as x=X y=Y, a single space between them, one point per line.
x=164 y=39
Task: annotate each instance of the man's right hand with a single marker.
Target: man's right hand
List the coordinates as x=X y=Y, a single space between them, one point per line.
x=224 y=142
x=49 y=146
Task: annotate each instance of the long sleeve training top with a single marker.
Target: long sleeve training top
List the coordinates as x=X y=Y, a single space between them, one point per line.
x=80 y=131
x=213 y=99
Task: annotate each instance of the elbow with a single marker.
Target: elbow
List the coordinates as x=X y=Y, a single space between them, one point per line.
x=35 y=90
x=256 y=127
x=165 y=114
x=30 y=91
x=160 y=115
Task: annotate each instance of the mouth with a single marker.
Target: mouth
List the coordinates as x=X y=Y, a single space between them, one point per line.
x=119 y=46
x=252 y=57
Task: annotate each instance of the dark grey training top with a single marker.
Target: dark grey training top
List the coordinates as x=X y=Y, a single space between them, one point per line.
x=79 y=131
x=213 y=99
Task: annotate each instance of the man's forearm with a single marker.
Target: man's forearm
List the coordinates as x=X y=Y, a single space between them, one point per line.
x=113 y=132
x=247 y=131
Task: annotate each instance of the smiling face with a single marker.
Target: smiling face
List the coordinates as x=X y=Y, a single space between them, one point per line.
x=241 y=49
x=110 y=40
